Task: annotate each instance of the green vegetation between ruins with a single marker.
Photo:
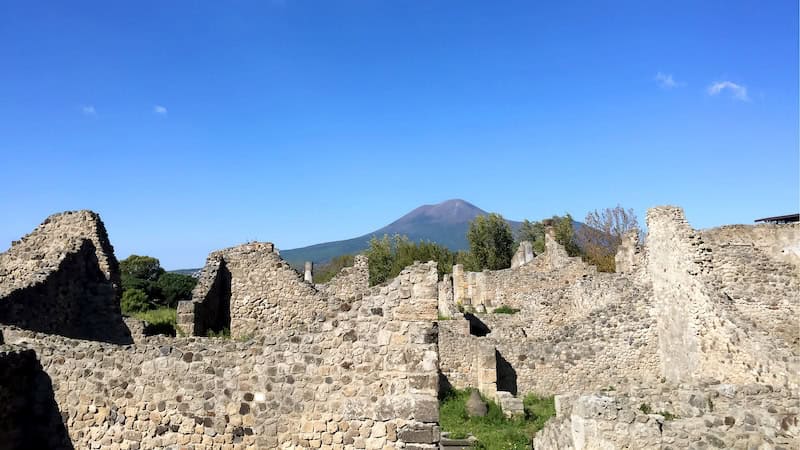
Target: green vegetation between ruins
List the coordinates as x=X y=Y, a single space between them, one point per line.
x=503 y=309
x=494 y=431
x=161 y=320
x=492 y=244
x=151 y=294
x=389 y=256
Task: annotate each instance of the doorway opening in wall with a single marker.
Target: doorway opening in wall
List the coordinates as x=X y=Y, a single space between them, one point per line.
x=217 y=308
x=506 y=375
x=476 y=325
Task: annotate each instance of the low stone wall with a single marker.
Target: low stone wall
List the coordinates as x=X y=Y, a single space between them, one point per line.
x=676 y=417
x=63 y=279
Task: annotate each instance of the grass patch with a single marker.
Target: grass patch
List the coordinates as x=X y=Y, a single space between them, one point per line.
x=159 y=321
x=503 y=309
x=494 y=431
x=441 y=317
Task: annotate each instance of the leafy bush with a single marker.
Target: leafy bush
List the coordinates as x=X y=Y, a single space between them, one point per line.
x=494 y=431
x=141 y=267
x=503 y=309
x=133 y=301
x=389 y=256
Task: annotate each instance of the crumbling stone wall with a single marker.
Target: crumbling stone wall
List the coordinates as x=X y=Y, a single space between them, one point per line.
x=484 y=291
x=761 y=286
x=210 y=306
x=702 y=332
x=63 y=278
x=258 y=290
x=700 y=416
x=350 y=282
x=576 y=329
x=359 y=373
x=775 y=241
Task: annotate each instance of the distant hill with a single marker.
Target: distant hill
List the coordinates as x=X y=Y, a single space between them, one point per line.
x=445 y=223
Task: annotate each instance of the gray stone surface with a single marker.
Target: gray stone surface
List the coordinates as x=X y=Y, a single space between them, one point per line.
x=475 y=405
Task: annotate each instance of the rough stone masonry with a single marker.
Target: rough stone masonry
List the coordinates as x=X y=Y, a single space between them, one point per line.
x=692 y=344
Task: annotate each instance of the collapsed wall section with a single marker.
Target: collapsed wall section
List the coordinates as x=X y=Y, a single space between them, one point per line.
x=251 y=290
x=63 y=279
x=350 y=282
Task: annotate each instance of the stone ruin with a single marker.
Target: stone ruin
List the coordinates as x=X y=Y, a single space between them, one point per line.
x=693 y=343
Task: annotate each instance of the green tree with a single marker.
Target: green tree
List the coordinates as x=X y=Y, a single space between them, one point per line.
x=490 y=242
x=133 y=301
x=173 y=287
x=532 y=232
x=565 y=234
x=141 y=267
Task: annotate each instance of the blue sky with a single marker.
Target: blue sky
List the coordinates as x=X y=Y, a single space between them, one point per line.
x=191 y=126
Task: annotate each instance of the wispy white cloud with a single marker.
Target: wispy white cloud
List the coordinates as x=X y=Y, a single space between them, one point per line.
x=666 y=81
x=738 y=91
x=88 y=110
x=160 y=110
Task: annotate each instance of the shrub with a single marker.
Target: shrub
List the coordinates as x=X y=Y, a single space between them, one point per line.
x=133 y=301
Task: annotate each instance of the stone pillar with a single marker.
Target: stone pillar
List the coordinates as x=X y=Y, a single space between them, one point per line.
x=309 y=276
x=628 y=253
x=446 y=305
x=486 y=363
x=458 y=284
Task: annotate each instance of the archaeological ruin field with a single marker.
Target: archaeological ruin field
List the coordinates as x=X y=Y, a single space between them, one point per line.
x=694 y=342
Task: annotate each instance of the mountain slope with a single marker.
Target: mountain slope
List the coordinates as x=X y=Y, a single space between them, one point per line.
x=445 y=223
